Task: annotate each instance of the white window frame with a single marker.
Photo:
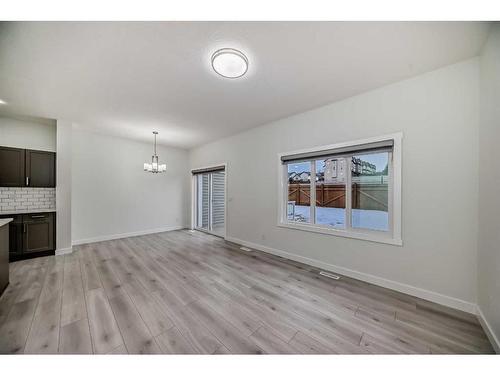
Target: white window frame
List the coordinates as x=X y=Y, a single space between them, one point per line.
x=392 y=236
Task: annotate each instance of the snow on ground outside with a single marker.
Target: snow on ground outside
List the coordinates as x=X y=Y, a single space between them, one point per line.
x=367 y=219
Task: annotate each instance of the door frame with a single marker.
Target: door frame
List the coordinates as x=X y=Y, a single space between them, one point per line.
x=194 y=198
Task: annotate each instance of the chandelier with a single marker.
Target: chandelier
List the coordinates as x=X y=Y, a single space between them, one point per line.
x=154 y=166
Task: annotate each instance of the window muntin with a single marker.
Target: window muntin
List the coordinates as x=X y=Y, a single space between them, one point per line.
x=366 y=186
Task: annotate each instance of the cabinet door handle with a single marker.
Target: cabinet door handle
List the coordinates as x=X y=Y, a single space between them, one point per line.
x=37 y=216
x=24 y=228
x=27 y=181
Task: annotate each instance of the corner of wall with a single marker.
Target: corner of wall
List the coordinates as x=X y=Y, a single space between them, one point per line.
x=63 y=187
x=488 y=277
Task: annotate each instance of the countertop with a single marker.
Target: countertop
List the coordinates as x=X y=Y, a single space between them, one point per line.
x=18 y=212
x=4 y=221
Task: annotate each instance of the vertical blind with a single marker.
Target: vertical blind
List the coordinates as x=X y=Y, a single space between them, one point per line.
x=205 y=197
x=218 y=199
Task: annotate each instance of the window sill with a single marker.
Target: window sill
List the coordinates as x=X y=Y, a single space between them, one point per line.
x=372 y=237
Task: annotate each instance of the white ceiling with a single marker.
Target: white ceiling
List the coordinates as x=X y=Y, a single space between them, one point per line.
x=129 y=78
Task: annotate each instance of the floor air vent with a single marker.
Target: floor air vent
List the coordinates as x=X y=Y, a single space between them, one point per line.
x=330 y=275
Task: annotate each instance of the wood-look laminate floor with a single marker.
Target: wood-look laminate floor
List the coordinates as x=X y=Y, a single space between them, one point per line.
x=188 y=292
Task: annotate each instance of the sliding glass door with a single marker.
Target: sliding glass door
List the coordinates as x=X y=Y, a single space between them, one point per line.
x=210 y=202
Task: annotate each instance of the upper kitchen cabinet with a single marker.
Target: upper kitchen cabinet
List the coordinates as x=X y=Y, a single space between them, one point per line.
x=12 y=165
x=27 y=168
x=40 y=168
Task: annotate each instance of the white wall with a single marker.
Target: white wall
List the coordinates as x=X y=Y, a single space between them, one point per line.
x=112 y=195
x=489 y=184
x=27 y=133
x=63 y=187
x=438 y=114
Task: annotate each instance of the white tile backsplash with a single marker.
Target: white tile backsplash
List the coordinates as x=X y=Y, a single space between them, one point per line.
x=20 y=198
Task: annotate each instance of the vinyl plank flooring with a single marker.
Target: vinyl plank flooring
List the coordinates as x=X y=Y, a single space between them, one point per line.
x=119 y=268
x=234 y=314
x=270 y=343
x=431 y=326
x=279 y=325
x=186 y=292
x=304 y=315
x=225 y=332
x=52 y=287
x=32 y=285
x=377 y=346
x=119 y=350
x=137 y=338
x=331 y=339
x=387 y=329
x=8 y=298
x=15 y=329
x=222 y=350
x=73 y=297
x=75 y=338
x=103 y=327
x=110 y=282
x=90 y=275
x=150 y=310
x=197 y=335
x=44 y=333
x=303 y=343
x=172 y=342
x=142 y=273
x=444 y=313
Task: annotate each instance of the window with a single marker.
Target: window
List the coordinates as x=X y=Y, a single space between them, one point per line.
x=351 y=189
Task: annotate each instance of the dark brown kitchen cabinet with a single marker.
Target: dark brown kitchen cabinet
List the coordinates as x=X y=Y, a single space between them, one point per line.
x=31 y=235
x=12 y=167
x=27 y=168
x=38 y=232
x=40 y=168
x=4 y=258
x=16 y=236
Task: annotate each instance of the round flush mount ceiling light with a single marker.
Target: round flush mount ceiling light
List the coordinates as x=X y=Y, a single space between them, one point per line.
x=2 y=102
x=229 y=63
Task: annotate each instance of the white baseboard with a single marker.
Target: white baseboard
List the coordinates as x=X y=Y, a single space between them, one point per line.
x=124 y=235
x=495 y=342
x=400 y=287
x=67 y=250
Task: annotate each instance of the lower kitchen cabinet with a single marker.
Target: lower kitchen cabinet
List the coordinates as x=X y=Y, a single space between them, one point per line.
x=38 y=232
x=16 y=237
x=31 y=235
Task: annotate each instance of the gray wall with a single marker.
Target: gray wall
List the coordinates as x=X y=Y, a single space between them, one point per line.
x=25 y=132
x=111 y=195
x=63 y=186
x=489 y=183
x=438 y=115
